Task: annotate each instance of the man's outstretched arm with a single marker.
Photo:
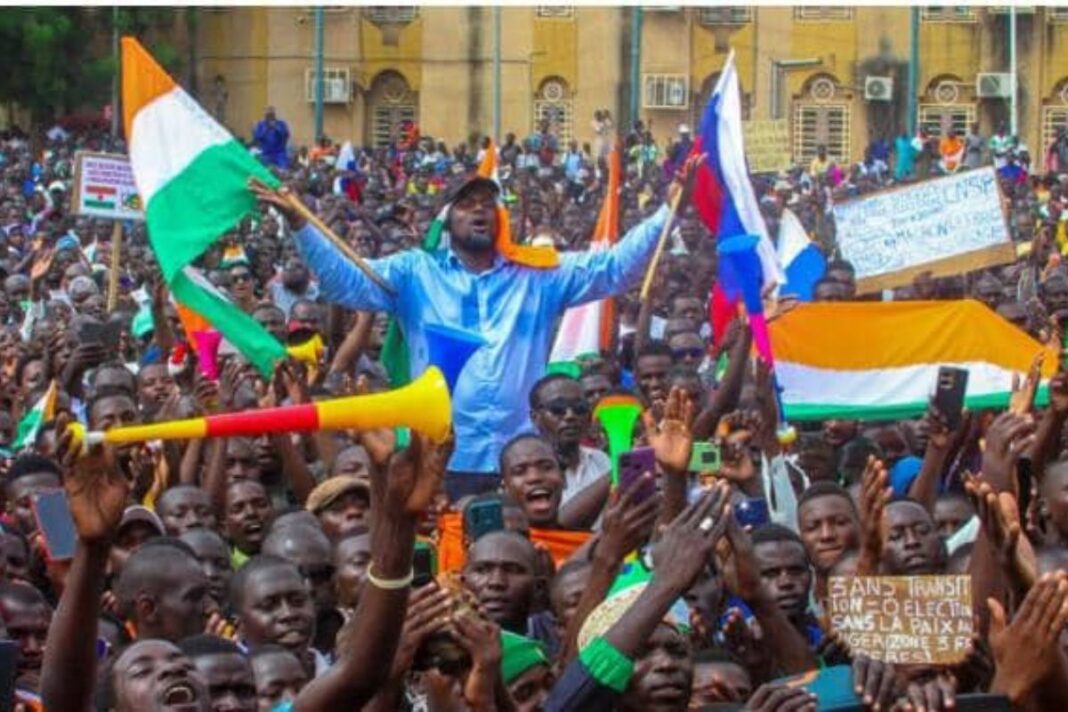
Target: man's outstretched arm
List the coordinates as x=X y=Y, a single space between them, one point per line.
x=340 y=281
x=597 y=274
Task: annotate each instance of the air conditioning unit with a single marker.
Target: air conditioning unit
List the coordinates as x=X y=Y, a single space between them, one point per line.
x=337 y=86
x=878 y=88
x=665 y=91
x=993 y=85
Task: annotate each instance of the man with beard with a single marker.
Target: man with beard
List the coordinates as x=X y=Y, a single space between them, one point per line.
x=295 y=283
x=479 y=281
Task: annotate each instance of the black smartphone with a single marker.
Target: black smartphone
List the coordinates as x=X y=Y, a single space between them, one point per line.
x=949 y=394
x=482 y=517
x=634 y=464
x=705 y=457
x=9 y=654
x=55 y=523
x=424 y=568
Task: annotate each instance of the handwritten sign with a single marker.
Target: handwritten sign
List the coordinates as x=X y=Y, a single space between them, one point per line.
x=767 y=145
x=946 y=226
x=903 y=619
x=104 y=187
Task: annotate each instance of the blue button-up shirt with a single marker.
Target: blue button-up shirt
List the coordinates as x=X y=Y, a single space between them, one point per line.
x=514 y=308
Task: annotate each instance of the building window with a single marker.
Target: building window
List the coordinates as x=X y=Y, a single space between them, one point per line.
x=1004 y=10
x=337 y=87
x=553 y=104
x=391 y=14
x=1057 y=14
x=392 y=103
x=1054 y=119
x=821 y=125
x=725 y=15
x=665 y=91
x=937 y=119
x=948 y=13
x=823 y=13
x=556 y=12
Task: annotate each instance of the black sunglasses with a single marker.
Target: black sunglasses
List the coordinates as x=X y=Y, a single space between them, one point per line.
x=560 y=406
x=684 y=353
x=241 y=276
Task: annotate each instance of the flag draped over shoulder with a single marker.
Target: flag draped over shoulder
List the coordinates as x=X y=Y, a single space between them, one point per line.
x=880 y=360
x=723 y=195
x=587 y=329
x=193 y=179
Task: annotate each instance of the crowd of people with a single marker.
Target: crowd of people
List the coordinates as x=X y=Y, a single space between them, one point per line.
x=501 y=571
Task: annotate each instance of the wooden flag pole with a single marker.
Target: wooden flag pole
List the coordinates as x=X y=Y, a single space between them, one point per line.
x=297 y=204
x=647 y=284
x=116 y=261
x=340 y=244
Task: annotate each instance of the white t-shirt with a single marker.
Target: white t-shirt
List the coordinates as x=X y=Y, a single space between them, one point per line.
x=592 y=466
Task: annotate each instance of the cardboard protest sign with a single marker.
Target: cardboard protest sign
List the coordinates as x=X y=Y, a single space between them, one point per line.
x=767 y=145
x=945 y=226
x=905 y=620
x=104 y=187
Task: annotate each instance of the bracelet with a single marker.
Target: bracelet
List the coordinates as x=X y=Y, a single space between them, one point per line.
x=390 y=584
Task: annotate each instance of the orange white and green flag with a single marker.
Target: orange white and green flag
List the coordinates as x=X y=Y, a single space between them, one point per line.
x=587 y=330
x=30 y=424
x=880 y=360
x=193 y=178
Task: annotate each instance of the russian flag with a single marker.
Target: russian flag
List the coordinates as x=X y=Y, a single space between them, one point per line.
x=724 y=198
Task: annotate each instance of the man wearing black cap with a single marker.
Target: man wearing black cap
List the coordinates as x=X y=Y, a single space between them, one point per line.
x=478 y=281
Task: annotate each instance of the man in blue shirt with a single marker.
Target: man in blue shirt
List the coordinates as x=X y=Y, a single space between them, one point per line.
x=470 y=285
x=272 y=135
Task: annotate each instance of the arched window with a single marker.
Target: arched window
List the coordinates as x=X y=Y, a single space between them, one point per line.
x=947 y=104
x=821 y=118
x=390 y=103
x=1054 y=113
x=553 y=103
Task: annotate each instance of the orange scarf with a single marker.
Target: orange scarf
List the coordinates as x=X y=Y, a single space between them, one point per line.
x=526 y=255
x=561 y=544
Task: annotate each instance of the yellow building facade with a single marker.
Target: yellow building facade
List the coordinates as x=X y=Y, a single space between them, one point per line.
x=836 y=75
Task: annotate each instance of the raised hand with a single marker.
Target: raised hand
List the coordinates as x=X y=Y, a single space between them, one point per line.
x=626 y=523
x=671 y=437
x=482 y=640
x=428 y=612
x=411 y=478
x=279 y=201
x=875 y=495
x=695 y=532
x=999 y=515
x=1009 y=437
x=96 y=488
x=1023 y=392
x=1028 y=649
